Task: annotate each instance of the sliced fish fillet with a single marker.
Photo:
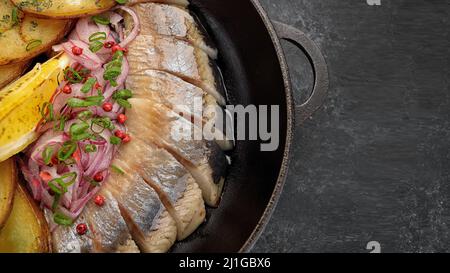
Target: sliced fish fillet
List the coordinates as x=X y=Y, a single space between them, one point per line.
x=173 y=21
x=151 y=227
x=166 y=53
x=167 y=89
x=203 y=159
x=183 y=98
x=175 y=186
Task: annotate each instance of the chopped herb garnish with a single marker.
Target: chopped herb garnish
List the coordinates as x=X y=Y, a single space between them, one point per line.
x=62 y=220
x=97 y=36
x=117 y=169
x=47 y=154
x=94 y=183
x=124 y=103
x=72 y=76
x=59 y=186
x=56 y=201
x=103 y=122
x=88 y=85
x=115 y=140
x=67 y=150
x=95 y=46
x=78 y=131
x=112 y=73
x=123 y=94
x=122 y=2
x=84 y=72
x=33 y=44
x=14 y=16
x=78 y=128
x=85 y=115
x=61 y=125
x=114 y=68
x=47 y=112
x=100 y=20
x=81 y=137
x=88 y=101
x=90 y=148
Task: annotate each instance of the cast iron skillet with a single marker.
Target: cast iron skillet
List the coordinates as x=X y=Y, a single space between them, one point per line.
x=255 y=72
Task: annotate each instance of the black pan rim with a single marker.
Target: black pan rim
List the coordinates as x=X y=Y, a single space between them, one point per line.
x=289 y=133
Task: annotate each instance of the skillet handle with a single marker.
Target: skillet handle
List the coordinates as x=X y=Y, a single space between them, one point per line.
x=321 y=80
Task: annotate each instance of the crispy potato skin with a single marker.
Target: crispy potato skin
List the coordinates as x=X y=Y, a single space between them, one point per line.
x=26 y=230
x=8 y=183
x=9 y=73
x=71 y=11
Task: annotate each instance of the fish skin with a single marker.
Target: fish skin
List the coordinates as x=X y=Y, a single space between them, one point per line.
x=140 y=205
x=157 y=43
x=178 y=57
x=174 y=185
x=169 y=20
x=203 y=159
x=180 y=96
x=165 y=88
x=190 y=209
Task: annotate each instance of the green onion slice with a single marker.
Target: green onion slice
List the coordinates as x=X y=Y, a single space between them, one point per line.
x=33 y=44
x=72 y=76
x=123 y=94
x=62 y=220
x=88 y=85
x=47 y=154
x=85 y=115
x=97 y=36
x=115 y=140
x=47 y=112
x=95 y=46
x=100 y=20
x=117 y=169
x=14 y=16
x=90 y=148
x=67 y=150
x=88 y=101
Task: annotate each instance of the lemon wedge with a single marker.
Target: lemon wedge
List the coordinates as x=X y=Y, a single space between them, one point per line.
x=21 y=103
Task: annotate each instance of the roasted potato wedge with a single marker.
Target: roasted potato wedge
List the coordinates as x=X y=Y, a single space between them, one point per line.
x=28 y=36
x=9 y=73
x=26 y=230
x=63 y=9
x=8 y=182
x=9 y=16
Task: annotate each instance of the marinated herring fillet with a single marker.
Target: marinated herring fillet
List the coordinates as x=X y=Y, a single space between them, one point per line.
x=203 y=159
x=179 y=58
x=181 y=97
x=153 y=230
x=166 y=53
x=177 y=189
x=173 y=21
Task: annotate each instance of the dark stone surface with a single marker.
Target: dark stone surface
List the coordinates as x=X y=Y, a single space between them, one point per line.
x=373 y=164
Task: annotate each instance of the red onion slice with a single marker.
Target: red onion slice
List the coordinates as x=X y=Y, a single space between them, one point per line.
x=135 y=31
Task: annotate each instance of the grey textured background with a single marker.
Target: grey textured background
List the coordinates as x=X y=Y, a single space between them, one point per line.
x=373 y=164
